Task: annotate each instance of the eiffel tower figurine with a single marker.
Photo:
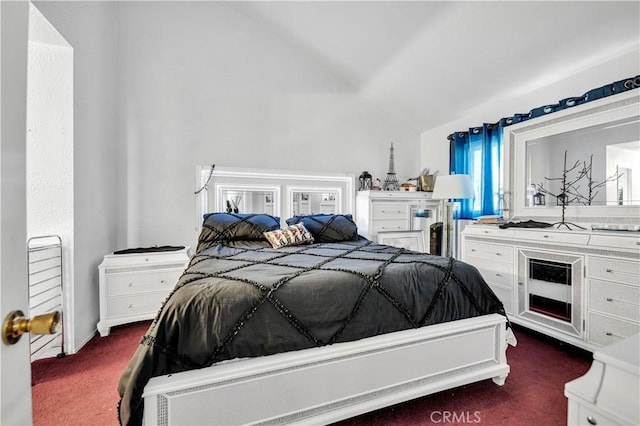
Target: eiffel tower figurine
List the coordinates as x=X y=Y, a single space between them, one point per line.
x=391 y=181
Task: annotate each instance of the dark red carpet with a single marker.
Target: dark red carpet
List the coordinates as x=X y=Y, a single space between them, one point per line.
x=81 y=389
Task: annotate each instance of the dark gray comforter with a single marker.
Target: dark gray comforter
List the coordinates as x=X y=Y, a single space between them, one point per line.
x=246 y=299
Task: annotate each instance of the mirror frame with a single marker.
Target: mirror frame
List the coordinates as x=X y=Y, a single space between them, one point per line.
x=283 y=182
x=515 y=137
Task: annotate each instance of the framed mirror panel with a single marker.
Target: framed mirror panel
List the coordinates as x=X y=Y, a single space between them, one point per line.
x=587 y=157
x=278 y=193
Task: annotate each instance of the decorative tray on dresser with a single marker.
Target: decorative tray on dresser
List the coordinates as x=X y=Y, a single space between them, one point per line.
x=579 y=286
x=134 y=285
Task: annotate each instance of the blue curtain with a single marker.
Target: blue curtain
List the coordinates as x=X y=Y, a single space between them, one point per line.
x=477 y=151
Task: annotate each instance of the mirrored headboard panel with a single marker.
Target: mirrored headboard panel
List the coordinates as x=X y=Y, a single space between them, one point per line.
x=588 y=156
x=275 y=192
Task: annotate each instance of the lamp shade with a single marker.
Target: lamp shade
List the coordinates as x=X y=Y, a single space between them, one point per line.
x=452 y=187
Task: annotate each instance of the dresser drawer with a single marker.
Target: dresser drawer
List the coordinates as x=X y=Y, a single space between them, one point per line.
x=552 y=236
x=620 y=271
x=488 y=251
x=615 y=299
x=605 y=330
x=505 y=296
x=498 y=273
x=489 y=231
x=609 y=241
x=139 y=304
x=142 y=282
x=381 y=211
x=391 y=225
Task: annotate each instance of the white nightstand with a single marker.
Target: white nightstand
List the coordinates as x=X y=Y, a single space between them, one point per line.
x=133 y=286
x=608 y=393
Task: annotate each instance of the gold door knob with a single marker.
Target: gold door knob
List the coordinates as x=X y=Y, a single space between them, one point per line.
x=15 y=325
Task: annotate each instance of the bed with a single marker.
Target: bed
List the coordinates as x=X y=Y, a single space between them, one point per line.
x=310 y=324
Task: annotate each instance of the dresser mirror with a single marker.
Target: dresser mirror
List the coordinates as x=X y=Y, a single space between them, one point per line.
x=278 y=193
x=590 y=153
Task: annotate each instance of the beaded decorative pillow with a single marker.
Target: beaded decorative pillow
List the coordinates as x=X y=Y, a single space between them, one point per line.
x=292 y=235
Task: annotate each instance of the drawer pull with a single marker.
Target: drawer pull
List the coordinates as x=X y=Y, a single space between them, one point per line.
x=520 y=283
x=609 y=270
x=498 y=254
x=610 y=334
x=611 y=299
x=591 y=420
x=130 y=284
x=486 y=232
x=130 y=306
x=638 y=243
x=473 y=250
x=545 y=236
x=498 y=275
x=162 y=281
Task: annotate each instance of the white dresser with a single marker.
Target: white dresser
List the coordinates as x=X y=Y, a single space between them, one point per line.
x=609 y=392
x=582 y=287
x=133 y=286
x=389 y=211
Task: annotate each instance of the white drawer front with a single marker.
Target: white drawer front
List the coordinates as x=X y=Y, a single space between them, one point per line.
x=499 y=273
x=606 y=330
x=489 y=231
x=588 y=416
x=390 y=211
x=615 y=299
x=620 y=271
x=552 y=236
x=142 y=282
x=623 y=242
x=390 y=225
x=138 y=304
x=488 y=251
x=505 y=296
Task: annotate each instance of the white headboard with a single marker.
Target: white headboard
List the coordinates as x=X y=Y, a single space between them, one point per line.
x=282 y=190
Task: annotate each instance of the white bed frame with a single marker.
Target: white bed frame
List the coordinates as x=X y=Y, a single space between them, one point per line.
x=331 y=383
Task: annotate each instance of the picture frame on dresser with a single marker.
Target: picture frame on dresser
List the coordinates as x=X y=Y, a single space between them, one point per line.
x=410 y=240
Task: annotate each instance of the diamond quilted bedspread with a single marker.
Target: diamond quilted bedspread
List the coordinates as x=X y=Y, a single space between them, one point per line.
x=246 y=299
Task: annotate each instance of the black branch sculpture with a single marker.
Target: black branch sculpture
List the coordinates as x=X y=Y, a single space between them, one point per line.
x=568 y=188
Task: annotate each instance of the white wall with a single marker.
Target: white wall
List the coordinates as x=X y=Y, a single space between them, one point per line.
x=90 y=28
x=434 y=143
x=206 y=84
x=50 y=151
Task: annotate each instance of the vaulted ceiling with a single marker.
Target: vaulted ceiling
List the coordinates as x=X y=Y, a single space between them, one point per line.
x=434 y=61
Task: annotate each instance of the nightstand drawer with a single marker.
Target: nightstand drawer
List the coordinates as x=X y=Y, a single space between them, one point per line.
x=589 y=416
x=615 y=299
x=489 y=251
x=605 y=330
x=381 y=211
x=138 y=304
x=142 y=282
x=615 y=270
